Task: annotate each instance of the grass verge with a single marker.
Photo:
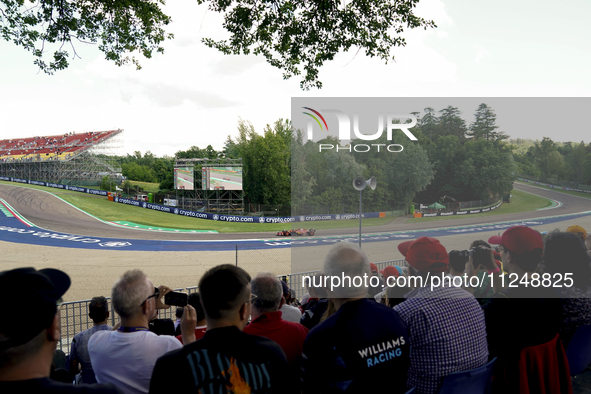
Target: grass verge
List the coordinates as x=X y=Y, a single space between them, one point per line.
x=521 y=202
x=103 y=209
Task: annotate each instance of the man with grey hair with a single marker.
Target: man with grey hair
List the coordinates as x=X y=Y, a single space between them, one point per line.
x=352 y=350
x=266 y=319
x=127 y=356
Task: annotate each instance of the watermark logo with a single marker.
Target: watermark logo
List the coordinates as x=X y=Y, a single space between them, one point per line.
x=385 y=122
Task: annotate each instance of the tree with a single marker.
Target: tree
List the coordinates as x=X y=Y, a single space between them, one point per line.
x=451 y=123
x=107 y=184
x=484 y=125
x=297 y=36
x=122 y=28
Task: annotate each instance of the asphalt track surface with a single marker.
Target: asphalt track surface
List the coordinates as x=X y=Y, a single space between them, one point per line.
x=52 y=214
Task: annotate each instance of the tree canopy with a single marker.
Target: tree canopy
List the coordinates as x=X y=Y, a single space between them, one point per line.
x=296 y=36
x=121 y=28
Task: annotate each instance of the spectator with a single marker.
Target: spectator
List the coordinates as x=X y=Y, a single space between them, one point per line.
x=389 y=271
x=195 y=301
x=317 y=304
x=127 y=356
x=362 y=343
x=579 y=231
x=98 y=311
x=534 y=310
x=266 y=320
x=564 y=254
x=288 y=311
x=225 y=359
x=374 y=289
x=446 y=323
x=28 y=340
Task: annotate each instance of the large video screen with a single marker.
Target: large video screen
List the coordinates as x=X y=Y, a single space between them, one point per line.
x=183 y=178
x=222 y=178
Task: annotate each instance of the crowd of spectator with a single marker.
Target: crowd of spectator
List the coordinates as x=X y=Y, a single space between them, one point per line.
x=497 y=303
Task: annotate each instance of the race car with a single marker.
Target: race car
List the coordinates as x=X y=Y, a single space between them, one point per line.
x=299 y=231
x=302 y=231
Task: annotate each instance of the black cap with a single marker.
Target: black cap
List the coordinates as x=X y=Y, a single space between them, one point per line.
x=33 y=291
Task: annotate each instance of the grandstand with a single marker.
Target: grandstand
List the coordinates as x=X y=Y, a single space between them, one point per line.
x=71 y=158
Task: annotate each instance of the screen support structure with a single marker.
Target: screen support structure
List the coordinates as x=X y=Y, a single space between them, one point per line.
x=229 y=202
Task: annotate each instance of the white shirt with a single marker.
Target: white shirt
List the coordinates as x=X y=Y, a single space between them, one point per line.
x=290 y=313
x=127 y=359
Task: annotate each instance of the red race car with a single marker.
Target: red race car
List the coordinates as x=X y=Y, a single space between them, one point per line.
x=299 y=231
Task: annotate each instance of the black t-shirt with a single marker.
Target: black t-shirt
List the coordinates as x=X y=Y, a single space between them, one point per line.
x=224 y=358
x=517 y=318
x=360 y=348
x=46 y=385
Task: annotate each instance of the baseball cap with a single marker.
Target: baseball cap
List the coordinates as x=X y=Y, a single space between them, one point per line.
x=519 y=239
x=423 y=253
x=390 y=271
x=37 y=292
x=578 y=230
x=403 y=246
x=374 y=268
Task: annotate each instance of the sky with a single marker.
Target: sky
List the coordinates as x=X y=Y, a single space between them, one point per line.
x=195 y=96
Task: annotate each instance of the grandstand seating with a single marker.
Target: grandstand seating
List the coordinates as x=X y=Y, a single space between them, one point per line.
x=55 y=147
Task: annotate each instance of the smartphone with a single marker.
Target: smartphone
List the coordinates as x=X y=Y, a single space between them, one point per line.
x=176 y=299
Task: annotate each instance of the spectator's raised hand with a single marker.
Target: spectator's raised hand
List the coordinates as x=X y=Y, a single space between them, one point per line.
x=163 y=291
x=188 y=324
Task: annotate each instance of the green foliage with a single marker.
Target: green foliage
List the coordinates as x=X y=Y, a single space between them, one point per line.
x=484 y=125
x=121 y=28
x=470 y=165
x=108 y=184
x=298 y=36
x=266 y=162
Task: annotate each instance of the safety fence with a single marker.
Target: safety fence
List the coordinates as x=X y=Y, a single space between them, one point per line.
x=74 y=315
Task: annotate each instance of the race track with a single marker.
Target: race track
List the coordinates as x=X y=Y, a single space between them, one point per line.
x=94 y=253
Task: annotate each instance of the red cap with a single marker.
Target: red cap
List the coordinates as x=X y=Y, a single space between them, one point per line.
x=403 y=247
x=374 y=268
x=426 y=251
x=495 y=240
x=390 y=271
x=519 y=239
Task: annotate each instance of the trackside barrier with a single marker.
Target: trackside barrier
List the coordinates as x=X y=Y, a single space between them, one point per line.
x=74 y=315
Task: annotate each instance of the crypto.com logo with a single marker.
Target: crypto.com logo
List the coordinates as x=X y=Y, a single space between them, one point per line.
x=345 y=130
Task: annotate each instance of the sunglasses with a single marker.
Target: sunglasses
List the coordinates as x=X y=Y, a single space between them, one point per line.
x=156 y=294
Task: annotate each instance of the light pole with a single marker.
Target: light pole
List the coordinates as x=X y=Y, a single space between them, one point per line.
x=360 y=183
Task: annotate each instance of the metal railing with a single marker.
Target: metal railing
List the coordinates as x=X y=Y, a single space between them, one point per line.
x=75 y=319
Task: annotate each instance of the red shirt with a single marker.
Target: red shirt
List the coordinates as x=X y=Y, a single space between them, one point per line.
x=290 y=336
x=199 y=333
